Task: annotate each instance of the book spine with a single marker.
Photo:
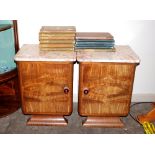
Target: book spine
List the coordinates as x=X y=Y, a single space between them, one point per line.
x=42 y=34
x=57 y=45
x=56 y=38
x=57 y=32
x=57 y=41
x=94 y=38
x=56 y=49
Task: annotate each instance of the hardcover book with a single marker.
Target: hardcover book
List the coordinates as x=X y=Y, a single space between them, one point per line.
x=91 y=47
x=94 y=35
x=58 y=29
x=93 y=40
x=95 y=49
x=57 y=41
x=42 y=34
x=95 y=43
x=56 y=38
x=57 y=49
x=57 y=45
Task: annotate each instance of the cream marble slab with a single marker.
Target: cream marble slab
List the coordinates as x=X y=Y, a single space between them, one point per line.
x=31 y=52
x=123 y=54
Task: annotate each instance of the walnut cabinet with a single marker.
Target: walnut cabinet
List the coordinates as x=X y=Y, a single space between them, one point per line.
x=105 y=89
x=46 y=86
x=105 y=85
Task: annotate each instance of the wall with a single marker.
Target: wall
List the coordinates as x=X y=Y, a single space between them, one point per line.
x=140 y=35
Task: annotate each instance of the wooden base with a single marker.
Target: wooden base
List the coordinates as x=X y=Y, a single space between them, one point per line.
x=111 y=122
x=149 y=117
x=47 y=120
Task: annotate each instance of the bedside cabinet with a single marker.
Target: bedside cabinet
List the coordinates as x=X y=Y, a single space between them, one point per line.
x=105 y=85
x=46 y=84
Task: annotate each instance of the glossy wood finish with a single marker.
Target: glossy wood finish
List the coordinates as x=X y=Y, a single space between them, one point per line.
x=105 y=89
x=16 y=39
x=113 y=122
x=9 y=91
x=149 y=117
x=8 y=76
x=47 y=120
x=46 y=87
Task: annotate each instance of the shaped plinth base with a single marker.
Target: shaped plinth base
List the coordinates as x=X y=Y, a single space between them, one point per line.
x=149 y=117
x=47 y=120
x=109 y=122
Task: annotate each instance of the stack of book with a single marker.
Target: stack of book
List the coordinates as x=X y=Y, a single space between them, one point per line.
x=95 y=40
x=57 y=38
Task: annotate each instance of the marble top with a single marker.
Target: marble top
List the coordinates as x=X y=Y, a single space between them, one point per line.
x=31 y=52
x=122 y=54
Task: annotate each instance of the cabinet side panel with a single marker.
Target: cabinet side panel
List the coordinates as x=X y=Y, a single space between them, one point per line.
x=19 y=69
x=109 y=88
x=42 y=87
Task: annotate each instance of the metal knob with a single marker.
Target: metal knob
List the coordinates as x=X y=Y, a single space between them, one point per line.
x=66 y=90
x=86 y=91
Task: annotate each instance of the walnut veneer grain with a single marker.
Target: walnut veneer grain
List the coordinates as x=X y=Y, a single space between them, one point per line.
x=46 y=87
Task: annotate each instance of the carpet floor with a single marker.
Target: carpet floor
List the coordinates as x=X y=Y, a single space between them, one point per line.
x=16 y=124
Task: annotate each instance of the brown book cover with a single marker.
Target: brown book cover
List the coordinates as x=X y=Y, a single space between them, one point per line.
x=56 y=38
x=57 y=45
x=57 y=41
x=94 y=36
x=58 y=29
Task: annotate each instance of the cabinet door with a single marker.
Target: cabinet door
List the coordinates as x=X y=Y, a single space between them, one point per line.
x=105 y=88
x=46 y=87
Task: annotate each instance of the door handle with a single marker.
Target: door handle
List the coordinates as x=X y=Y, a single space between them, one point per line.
x=66 y=90
x=86 y=91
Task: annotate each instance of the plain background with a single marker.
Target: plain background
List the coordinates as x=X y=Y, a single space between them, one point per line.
x=92 y=15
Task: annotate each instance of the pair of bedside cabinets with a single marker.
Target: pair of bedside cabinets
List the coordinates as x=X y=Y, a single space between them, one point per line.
x=105 y=85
